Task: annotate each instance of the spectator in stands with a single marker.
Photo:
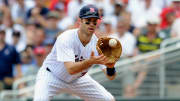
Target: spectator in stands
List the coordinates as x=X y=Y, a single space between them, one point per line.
x=10 y=27
x=130 y=27
x=62 y=3
x=19 y=11
x=6 y=17
x=107 y=6
x=8 y=58
x=27 y=62
x=174 y=7
x=105 y=28
x=64 y=21
x=29 y=50
x=16 y=37
x=31 y=64
x=118 y=10
x=40 y=37
x=39 y=54
x=175 y=32
x=108 y=29
x=166 y=32
x=51 y=29
x=29 y=67
x=49 y=24
x=128 y=42
x=141 y=9
x=149 y=39
x=30 y=29
x=112 y=19
x=74 y=4
x=126 y=38
x=39 y=8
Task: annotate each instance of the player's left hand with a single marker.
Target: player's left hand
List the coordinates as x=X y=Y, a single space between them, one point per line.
x=98 y=59
x=104 y=46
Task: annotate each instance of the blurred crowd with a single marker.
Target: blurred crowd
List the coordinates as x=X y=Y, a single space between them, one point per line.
x=28 y=30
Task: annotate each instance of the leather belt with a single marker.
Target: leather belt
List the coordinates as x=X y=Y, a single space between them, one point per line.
x=48 y=69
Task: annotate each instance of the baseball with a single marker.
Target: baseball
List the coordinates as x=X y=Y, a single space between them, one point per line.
x=112 y=42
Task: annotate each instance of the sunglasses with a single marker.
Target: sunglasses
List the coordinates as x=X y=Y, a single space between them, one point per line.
x=88 y=22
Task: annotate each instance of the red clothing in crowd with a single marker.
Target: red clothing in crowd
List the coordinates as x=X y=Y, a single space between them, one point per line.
x=165 y=11
x=54 y=2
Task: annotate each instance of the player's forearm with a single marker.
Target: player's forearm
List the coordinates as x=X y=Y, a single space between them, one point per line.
x=76 y=67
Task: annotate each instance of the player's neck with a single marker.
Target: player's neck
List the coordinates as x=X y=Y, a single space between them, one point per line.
x=84 y=38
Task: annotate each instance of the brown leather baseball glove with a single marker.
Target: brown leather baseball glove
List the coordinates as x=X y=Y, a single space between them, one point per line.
x=113 y=53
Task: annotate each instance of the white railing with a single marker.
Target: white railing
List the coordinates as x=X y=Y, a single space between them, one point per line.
x=121 y=66
x=19 y=93
x=168 y=54
x=23 y=80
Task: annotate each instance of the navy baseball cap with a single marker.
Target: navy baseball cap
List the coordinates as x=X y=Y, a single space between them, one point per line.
x=89 y=11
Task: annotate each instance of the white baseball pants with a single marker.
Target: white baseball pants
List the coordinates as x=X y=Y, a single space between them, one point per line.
x=47 y=86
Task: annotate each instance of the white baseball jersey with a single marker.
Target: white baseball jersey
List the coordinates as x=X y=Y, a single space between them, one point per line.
x=49 y=83
x=68 y=47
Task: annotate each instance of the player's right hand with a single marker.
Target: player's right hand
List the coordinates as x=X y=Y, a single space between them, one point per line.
x=98 y=59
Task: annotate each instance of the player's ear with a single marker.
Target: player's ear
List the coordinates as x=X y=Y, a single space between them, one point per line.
x=80 y=20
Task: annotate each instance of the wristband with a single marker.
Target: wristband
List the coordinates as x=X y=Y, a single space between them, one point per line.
x=111 y=71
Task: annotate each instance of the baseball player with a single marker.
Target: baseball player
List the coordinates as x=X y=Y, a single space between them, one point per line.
x=65 y=68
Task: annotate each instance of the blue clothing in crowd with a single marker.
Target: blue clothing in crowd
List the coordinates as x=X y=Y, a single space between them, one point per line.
x=8 y=57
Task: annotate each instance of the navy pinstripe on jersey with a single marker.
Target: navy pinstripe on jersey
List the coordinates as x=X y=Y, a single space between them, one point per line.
x=68 y=48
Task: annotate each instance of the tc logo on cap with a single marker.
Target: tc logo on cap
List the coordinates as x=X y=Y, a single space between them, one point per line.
x=89 y=11
x=92 y=10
